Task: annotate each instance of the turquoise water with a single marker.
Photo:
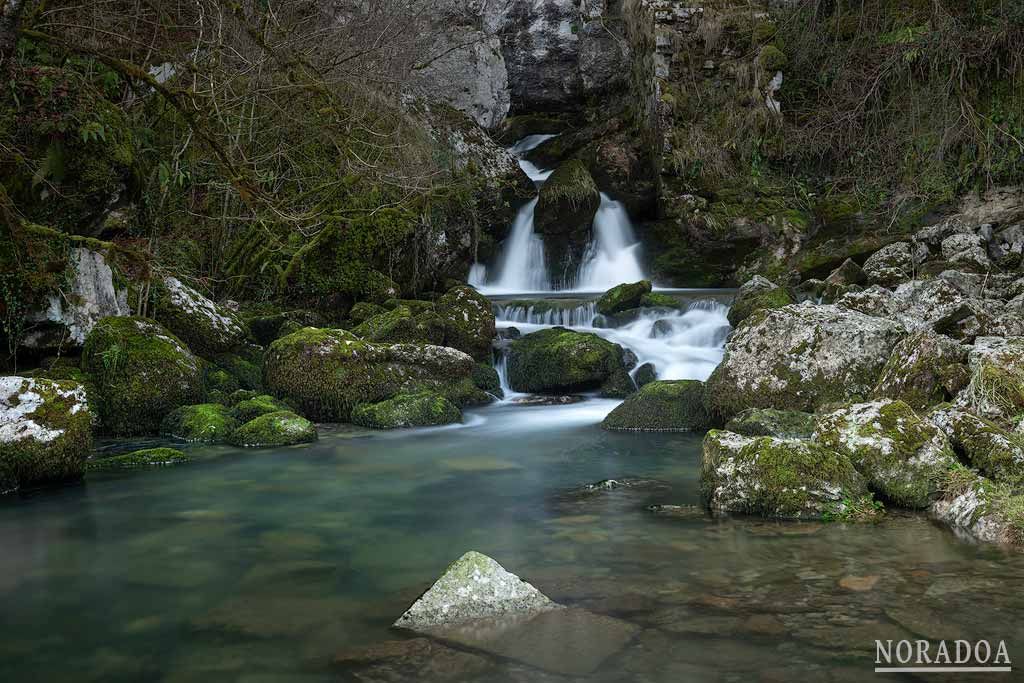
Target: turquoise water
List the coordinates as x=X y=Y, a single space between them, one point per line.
x=266 y=565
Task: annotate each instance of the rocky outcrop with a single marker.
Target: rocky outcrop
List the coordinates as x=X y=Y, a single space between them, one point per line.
x=559 y=360
x=903 y=458
x=980 y=510
x=468 y=321
x=205 y=326
x=895 y=263
x=141 y=372
x=45 y=431
x=565 y=211
x=996 y=388
x=662 y=406
x=772 y=477
x=800 y=357
x=92 y=294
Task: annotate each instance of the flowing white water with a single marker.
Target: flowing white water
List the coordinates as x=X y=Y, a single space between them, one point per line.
x=611 y=258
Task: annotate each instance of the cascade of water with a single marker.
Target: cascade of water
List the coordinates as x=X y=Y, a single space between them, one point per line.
x=613 y=256
x=578 y=316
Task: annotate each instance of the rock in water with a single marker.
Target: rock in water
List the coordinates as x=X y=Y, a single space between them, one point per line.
x=45 y=431
x=662 y=406
x=623 y=297
x=473 y=587
x=559 y=360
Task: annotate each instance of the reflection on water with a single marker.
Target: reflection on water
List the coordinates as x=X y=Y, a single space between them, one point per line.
x=270 y=565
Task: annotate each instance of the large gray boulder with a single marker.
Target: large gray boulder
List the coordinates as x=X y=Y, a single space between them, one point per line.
x=204 y=325
x=895 y=263
x=799 y=357
x=924 y=369
x=966 y=250
x=473 y=587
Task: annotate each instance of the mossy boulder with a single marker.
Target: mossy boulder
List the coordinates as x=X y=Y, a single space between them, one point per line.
x=996 y=388
x=364 y=310
x=903 y=457
x=995 y=452
x=326 y=373
x=45 y=431
x=148 y=457
x=252 y=407
x=204 y=422
x=283 y=428
x=780 y=478
x=783 y=424
x=217 y=380
x=559 y=360
x=246 y=371
x=416 y=409
x=924 y=369
x=662 y=406
x=205 y=326
x=800 y=357
x=623 y=297
x=566 y=205
x=657 y=300
x=980 y=509
x=486 y=379
x=468 y=321
x=757 y=294
x=141 y=373
x=399 y=325
x=266 y=328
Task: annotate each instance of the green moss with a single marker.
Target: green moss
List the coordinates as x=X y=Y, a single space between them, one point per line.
x=863 y=510
x=399 y=326
x=623 y=297
x=149 y=457
x=205 y=422
x=772 y=59
x=363 y=311
x=660 y=406
x=282 y=428
x=27 y=461
x=762 y=299
x=468 y=321
x=786 y=424
x=216 y=379
x=246 y=373
x=562 y=360
x=141 y=372
x=252 y=407
x=486 y=379
x=570 y=183
x=657 y=300
x=420 y=409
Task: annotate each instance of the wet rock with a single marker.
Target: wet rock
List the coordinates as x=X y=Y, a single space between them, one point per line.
x=645 y=374
x=473 y=587
x=508 y=333
x=45 y=431
x=622 y=483
x=205 y=422
x=902 y=457
x=925 y=621
x=282 y=428
x=800 y=357
x=468 y=321
x=141 y=372
x=541 y=400
x=925 y=369
x=662 y=406
x=412 y=659
x=859 y=584
x=413 y=409
x=661 y=329
x=757 y=294
x=994 y=451
x=251 y=405
x=773 y=477
x=623 y=297
x=486 y=379
x=205 y=326
x=148 y=457
x=678 y=511
x=400 y=326
x=894 y=263
x=559 y=360
x=784 y=424
x=565 y=211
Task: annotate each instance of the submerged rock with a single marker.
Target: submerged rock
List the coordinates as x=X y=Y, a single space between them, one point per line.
x=662 y=406
x=783 y=424
x=623 y=297
x=772 y=477
x=207 y=327
x=903 y=458
x=758 y=293
x=205 y=422
x=473 y=587
x=410 y=659
x=45 y=431
x=800 y=357
x=282 y=428
x=415 y=409
x=926 y=368
x=559 y=360
x=645 y=374
x=141 y=372
x=147 y=457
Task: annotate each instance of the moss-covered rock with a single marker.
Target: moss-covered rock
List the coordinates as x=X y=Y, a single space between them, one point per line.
x=252 y=407
x=771 y=477
x=565 y=210
x=204 y=422
x=800 y=357
x=665 y=406
x=148 y=457
x=559 y=360
x=326 y=373
x=247 y=372
x=399 y=325
x=903 y=457
x=205 y=326
x=658 y=300
x=783 y=424
x=486 y=379
x=996 y=452
x=468 y=321
x=363 y=311
x=141 y=372
x=45 y=431
x=757 y=294
x=418 y=409
x=282 y=428
x=894 y=263
x=996 y=388
x=924 y=369
x=980 y=509
x=217 y=380
x=623 y=297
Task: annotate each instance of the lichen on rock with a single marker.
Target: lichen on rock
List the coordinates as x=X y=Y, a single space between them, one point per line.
x=757 y=294
x=783 y=424
x=924 y=369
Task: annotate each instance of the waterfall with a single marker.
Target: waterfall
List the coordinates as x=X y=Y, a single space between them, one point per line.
x=611 y=258
x=578 y=316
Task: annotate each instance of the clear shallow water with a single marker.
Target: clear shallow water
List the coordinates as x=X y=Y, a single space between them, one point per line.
x=264 y=565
